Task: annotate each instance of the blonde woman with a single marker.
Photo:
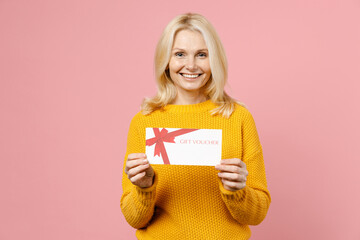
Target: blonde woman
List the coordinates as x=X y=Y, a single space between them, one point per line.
x=184 y=201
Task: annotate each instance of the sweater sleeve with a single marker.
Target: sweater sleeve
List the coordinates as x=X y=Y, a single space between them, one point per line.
x=249 y=205
x=137 y=204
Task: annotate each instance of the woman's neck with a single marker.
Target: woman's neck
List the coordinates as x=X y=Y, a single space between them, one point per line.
x=189 y=99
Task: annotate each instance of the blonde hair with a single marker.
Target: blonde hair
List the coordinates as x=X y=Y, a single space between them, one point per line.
x=213 y=89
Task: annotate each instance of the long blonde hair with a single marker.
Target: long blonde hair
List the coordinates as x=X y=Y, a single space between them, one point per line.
x=213 y=89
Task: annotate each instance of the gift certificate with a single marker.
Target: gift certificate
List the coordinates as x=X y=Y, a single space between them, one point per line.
x=183 y=146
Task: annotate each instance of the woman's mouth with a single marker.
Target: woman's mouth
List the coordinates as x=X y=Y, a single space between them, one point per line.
x=190 y=76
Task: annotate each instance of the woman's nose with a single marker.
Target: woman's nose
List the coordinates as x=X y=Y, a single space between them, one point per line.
x=191 y=64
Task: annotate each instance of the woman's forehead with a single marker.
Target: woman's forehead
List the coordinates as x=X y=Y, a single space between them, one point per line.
x=187 y=39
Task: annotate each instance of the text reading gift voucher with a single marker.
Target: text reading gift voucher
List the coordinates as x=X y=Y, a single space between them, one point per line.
x=183 y=146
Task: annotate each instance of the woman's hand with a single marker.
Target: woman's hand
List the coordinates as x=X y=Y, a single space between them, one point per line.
x=139 y=170
x=233 y=173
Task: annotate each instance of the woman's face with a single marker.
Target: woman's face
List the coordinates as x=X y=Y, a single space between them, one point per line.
x=189 y=65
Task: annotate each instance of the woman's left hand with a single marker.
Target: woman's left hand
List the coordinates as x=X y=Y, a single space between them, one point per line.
x=233 y=173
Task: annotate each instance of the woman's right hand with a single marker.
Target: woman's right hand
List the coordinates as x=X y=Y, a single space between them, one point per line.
x=139 y=170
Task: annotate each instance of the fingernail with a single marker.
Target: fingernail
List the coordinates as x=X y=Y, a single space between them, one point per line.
x=145 y=161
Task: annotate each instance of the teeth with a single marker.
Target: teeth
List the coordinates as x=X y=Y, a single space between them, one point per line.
x=191 y=76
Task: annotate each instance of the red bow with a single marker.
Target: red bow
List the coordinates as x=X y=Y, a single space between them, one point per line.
x=164 y=136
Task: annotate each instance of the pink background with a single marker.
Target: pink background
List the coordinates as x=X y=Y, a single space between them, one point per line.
x=73 y=73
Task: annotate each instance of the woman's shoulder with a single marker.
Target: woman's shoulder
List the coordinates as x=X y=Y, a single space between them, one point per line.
x=241 y=110
x=245 y=116
x=140 y=116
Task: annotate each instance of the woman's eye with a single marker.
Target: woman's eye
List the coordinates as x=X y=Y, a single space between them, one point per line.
x=179 y=54
x=202 y=55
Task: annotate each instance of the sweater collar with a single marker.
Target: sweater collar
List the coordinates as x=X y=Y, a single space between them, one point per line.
x=197 y=107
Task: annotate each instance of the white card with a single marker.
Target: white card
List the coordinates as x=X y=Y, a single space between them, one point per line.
x=183 y=146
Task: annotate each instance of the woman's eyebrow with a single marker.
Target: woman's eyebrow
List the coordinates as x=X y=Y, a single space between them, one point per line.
x=200 y=50
x=175 y=49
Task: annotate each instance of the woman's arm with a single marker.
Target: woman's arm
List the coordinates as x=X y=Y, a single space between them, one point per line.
x=138 y=198
x=244 y=191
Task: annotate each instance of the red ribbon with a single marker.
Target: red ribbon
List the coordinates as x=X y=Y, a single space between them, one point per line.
x=164 y=136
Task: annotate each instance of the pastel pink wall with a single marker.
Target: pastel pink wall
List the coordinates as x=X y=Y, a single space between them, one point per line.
x=73 y=73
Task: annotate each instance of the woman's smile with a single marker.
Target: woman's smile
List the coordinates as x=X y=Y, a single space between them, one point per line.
x=190 y=76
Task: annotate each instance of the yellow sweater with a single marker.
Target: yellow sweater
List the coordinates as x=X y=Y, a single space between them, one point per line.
x=190 y=202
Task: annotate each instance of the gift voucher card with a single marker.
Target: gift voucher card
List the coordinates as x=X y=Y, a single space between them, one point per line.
x=183 y=146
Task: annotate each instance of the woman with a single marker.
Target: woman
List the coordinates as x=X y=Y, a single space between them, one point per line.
x=194 y=202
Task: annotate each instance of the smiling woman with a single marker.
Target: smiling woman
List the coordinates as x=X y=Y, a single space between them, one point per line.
x=164 y=201
x=189 y=66
x=175 y=50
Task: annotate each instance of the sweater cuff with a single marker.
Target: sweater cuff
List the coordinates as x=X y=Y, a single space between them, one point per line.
x=148 y=193
x=238 y=195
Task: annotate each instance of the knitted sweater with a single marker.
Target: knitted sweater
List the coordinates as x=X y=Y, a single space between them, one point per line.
x=190 y=202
